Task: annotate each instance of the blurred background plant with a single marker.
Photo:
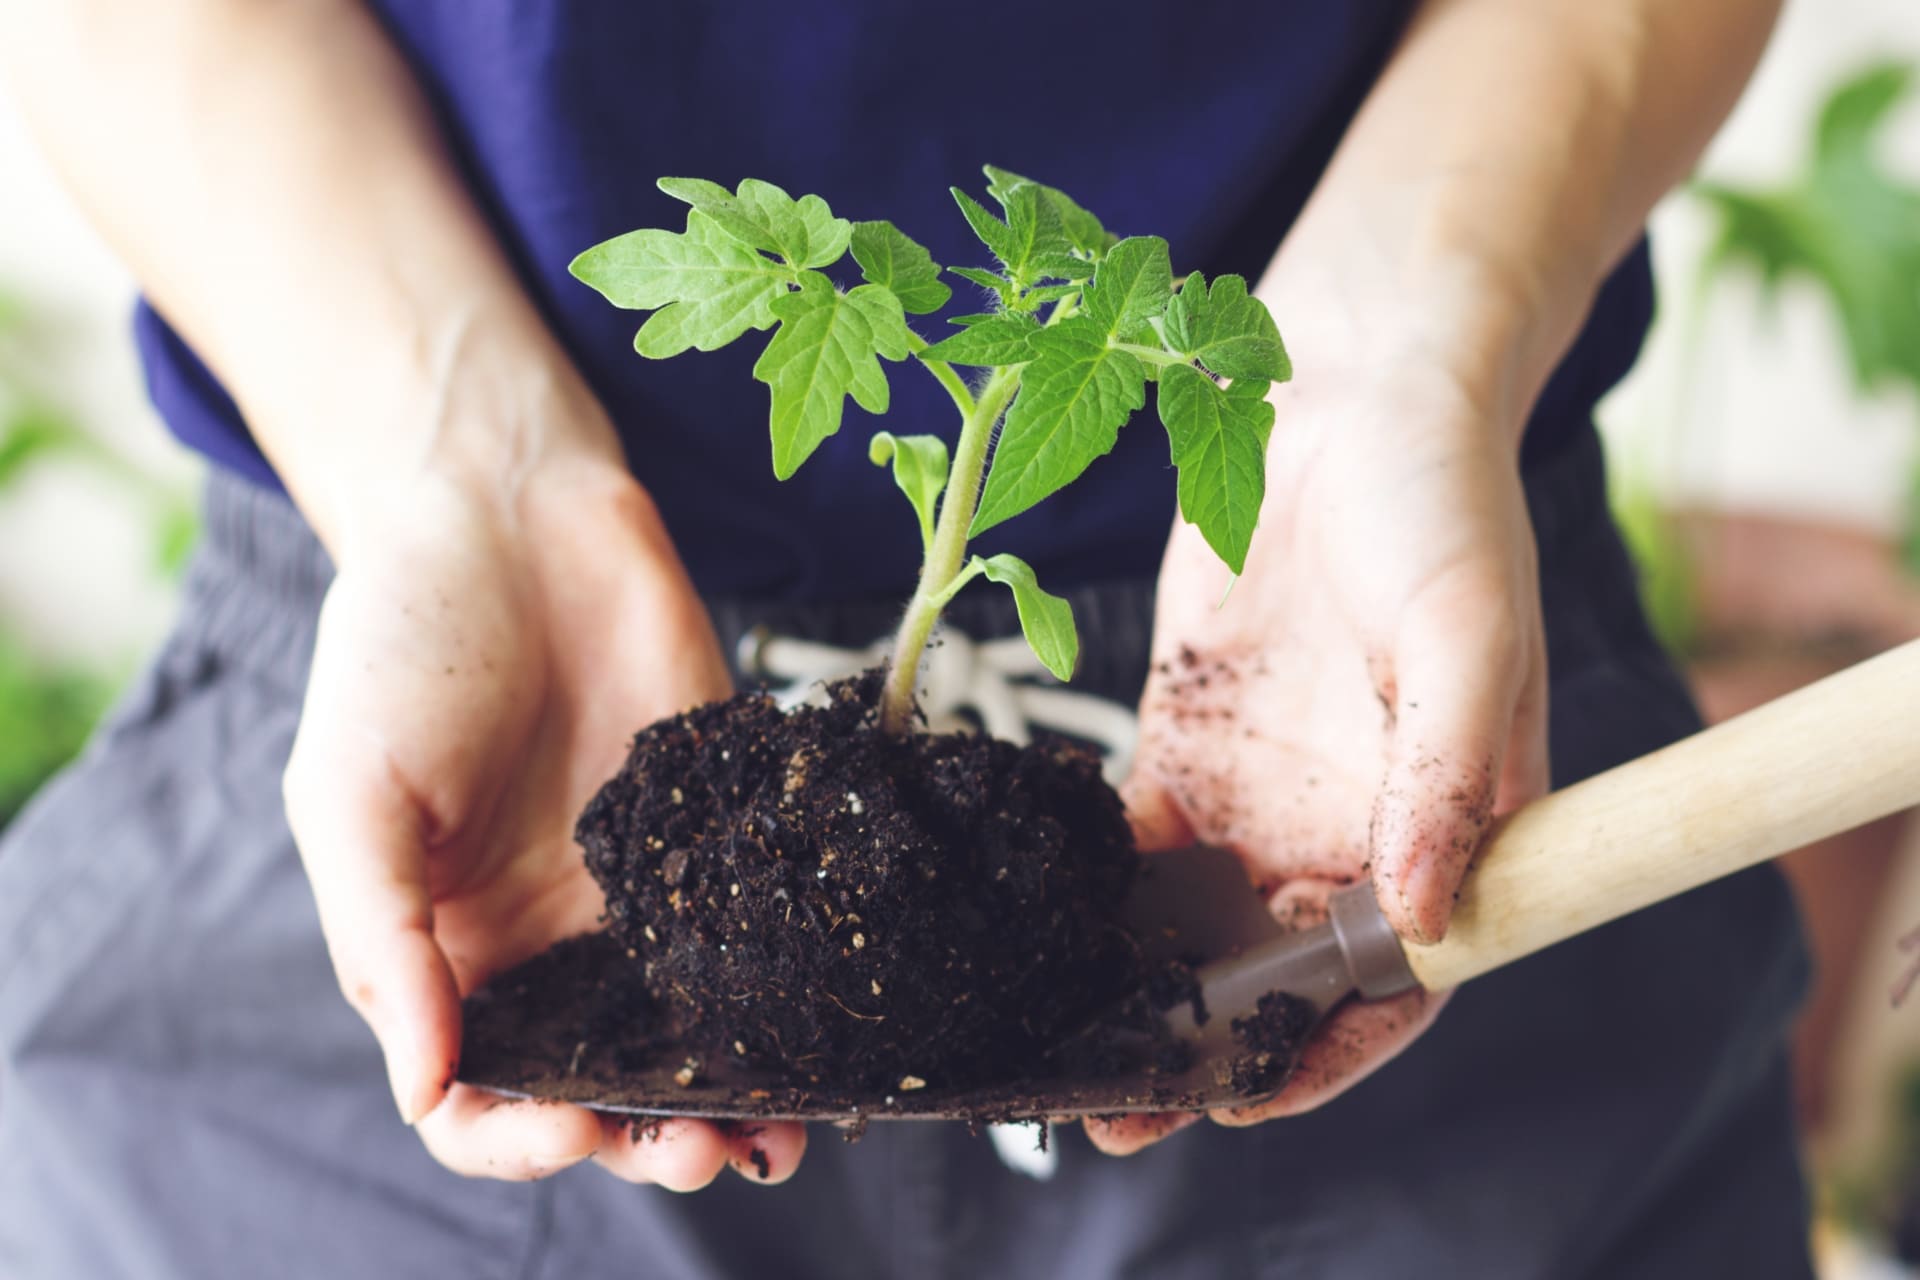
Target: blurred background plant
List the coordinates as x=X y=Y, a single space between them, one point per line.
x=1761 y=586
x=1846 y=226
x=48 y=704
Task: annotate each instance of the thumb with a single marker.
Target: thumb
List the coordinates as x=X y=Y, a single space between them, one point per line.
x=360 y=840
x=1455 y=699
x=1158 y=822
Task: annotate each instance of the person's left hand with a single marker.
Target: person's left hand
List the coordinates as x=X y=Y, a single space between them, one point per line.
x=1368 y=696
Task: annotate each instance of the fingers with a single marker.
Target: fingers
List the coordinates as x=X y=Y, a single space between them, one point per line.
x=1459 y=673
x=483 y=1135
x=1346 y=1049
x=1124 y=1135
x=767 y=1153
x=686 y=1155
x=360 y=844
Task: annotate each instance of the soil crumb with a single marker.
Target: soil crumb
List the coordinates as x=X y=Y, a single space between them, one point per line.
x=799 y=891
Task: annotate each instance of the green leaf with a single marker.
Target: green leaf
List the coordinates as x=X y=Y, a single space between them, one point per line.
x=1073 y=398
x=33 y=433
x=1226 y=330
x=705 y=287
x=919 y=468
x=1219 y=441
x=993 y=233
x=1030 y=244
x=978 y=317
x=1134 y=285
x=1082 y=229
x=888 y=257
x=1049 y=293
x=1046 y=619
x=997 y=340
x=48 y=711
x=762 y=216
x=824 y=352
x=985 y=279
x=176 y=532
x=1845 y=223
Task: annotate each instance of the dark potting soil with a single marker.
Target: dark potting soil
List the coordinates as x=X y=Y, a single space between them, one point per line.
x=1270 y=1039
x=799 y=892
x=809 y=918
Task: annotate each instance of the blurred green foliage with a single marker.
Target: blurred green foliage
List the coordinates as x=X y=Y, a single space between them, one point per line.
x=47 y=709
x=1844 y=223
x=48 y=713
x=1848 y=226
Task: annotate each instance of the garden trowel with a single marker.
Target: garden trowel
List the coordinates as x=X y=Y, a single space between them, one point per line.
x=1830 y=757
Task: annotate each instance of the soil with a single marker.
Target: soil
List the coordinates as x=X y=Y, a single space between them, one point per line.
x=799 y=891
x=808 y=917
x=1270 y=1040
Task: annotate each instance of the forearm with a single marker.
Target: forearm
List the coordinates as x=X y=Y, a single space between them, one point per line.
x=278 y=185
x=1506 y=159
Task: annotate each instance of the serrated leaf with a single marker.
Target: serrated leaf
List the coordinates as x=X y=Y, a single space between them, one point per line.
x=993 y=233
x=1219 y=443
x=1031 y=244
x=1134 y=285
x=998 y=340
x=1045 y=619
x=889 y=257
x=1082 y=229
x=1051 y=293
x=1226 y=330
x=763 y=216
x=824 y=352
x=1074 y=396
x=919 y=468
x=986 y=280
x=705 y=287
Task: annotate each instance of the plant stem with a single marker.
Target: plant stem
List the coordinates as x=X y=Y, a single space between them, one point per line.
x=1152 y=355
x=943 y=373
x=946 y=555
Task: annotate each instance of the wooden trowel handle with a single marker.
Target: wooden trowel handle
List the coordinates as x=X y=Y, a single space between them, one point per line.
x=1826 y=759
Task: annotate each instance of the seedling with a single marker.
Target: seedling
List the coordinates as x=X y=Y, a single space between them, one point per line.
x=1079 y=322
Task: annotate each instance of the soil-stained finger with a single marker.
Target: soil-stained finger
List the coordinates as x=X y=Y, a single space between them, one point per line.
x=766 y=1154
x=483 y=1135
x=678 y=1154
x=1124 y=1135
x=1350 y=1046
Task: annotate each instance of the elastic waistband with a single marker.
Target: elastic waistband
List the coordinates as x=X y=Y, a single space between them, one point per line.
x=253 y=593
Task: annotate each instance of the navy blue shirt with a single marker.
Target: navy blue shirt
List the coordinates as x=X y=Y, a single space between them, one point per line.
x=1207 y=122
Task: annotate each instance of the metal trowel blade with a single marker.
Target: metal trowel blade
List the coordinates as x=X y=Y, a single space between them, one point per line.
x=1195 y=905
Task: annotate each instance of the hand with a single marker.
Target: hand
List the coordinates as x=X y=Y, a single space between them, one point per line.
x=1369 y=695
x=478 y=675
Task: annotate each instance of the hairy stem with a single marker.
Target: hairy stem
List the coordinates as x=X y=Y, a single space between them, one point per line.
x=946 y=555
x=943 y=374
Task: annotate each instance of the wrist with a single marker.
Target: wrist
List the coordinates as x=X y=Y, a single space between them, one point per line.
x=475 y=417
x=1397 y=306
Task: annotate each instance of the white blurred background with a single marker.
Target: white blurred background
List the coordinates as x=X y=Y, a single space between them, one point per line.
x=1769 y=493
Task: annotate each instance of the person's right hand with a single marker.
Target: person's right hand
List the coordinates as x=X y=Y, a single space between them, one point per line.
x=483 y=658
